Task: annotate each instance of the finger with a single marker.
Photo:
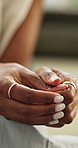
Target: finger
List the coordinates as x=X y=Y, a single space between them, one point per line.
x=60 y=87
x=65 y=120
x=70 y=117
x=56 y=125
x=69 y=108
x=9 y=116
x=28 y=78
x=64 y=76
x=42 y=120
x=26 y=95
x=48 y=76
x=30 y=111
x=69 y=114
x=69 y=95
x=30 y=96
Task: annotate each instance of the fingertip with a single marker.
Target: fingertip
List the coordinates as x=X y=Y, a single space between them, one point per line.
x=53 y=122
x=54 y=80
x=58 y=99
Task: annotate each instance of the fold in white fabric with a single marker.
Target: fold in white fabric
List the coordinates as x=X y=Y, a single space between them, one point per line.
x=12 y=15
x=16 y=135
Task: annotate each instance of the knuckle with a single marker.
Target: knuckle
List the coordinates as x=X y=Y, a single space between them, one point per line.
x=42 y=68
x=17 y=65
x=34 y=75
x=47 y=74
x=68 y=109
x=71 y=96
x=70 y=119
x=4 y=84
x=45 y=71
x=40 y=83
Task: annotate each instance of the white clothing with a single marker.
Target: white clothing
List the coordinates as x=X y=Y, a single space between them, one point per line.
x=12 y=15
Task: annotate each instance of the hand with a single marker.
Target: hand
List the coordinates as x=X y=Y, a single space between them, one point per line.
x=28 y=104
x=69 y=92
x=70 y=95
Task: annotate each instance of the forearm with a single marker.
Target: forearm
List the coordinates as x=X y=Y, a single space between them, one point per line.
x=23 y=43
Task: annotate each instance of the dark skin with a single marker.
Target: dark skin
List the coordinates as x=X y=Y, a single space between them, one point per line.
x=24 y=40
x=29 y=104
x=70 y=95
x=33 y=96
x=33 y=103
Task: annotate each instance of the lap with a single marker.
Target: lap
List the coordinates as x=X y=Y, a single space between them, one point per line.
x=63 y=141
x=14 y=135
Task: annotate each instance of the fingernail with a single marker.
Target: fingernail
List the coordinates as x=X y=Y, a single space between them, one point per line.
x=58 y=99
x=58 y=115
x=60 y=107
x=53 y=122
x=53 y=78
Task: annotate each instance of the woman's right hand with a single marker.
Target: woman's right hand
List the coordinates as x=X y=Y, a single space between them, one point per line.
x=28 y=104
x=68 y=88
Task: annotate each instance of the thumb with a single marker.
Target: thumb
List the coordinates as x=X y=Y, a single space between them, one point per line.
x=48 y=76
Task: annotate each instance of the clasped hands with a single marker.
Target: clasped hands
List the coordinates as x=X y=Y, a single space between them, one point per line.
x=45 y=97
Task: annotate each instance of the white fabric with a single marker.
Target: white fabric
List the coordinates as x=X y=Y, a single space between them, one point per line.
x=63 y=141
x=16 y=135
x=12 y=15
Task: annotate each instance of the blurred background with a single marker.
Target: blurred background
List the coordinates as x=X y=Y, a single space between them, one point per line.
x=59 y=32
x=58 y=45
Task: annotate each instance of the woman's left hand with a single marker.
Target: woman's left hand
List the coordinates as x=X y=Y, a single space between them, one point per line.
x=64 y=84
